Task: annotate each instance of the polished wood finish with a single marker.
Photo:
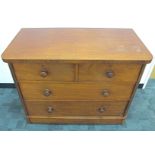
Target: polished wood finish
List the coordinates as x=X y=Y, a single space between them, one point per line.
x=78 y=119
x=77 y=44
x=76 y=75
x=75 y=108
x=99 y=72
x=54 y=71
x=19 y=90
x=76 y=91
x=77 y=72
x=135 y=88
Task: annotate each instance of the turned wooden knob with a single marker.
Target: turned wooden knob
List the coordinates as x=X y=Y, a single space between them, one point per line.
x=109 y=74
x=101 y=109
x=105 y=92
x=47 y=92
x=43 y=73
x=50 y=109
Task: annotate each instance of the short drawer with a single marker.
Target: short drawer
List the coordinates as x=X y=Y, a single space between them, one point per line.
x=76 y=91
x=81 y=108
x=108 y=72
x=44 y=71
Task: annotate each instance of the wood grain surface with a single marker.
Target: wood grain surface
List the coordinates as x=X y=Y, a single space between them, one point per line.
x=76 y=72
x=55 y=71
x=76 y=91
x=78 y=119
x=98 y=72
x=77 y=44
x=75 y=108
x=76 y=75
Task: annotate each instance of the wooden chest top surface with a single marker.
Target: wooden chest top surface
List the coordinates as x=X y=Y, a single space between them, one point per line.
x=76 y=44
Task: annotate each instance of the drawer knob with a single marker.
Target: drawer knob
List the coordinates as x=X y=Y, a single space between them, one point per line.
x=109 y=74
x=50 y=109
x=47 y=92
x=43 y=73
x=105 y=93
x=101 y=109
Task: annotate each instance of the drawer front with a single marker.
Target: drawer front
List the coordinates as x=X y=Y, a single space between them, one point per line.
x=68 y=108
x=108 y=72
x=76 y=91
x=44 y=71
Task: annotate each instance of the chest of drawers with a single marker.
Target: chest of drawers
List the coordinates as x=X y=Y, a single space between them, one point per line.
x=76 y=75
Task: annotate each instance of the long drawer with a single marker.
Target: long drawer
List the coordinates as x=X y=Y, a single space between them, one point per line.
x=75 y=108
x=76 y=91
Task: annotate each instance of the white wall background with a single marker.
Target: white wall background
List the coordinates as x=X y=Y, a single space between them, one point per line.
x=136 y=14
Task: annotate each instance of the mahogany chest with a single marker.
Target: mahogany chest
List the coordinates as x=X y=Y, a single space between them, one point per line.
x=76 y=75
